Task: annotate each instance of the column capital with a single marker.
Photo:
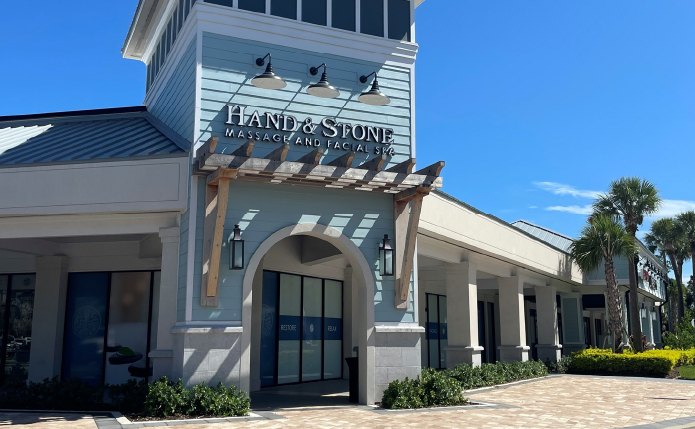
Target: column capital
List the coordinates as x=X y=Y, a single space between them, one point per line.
x=169 y=234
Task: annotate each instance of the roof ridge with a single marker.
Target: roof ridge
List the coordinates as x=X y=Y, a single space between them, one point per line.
x=74 y=113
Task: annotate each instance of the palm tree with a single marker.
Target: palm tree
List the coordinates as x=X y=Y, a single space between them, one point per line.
x=654 y=244
x=666 y=234
x=631 y=198
x=603 y=238
x=686 y=226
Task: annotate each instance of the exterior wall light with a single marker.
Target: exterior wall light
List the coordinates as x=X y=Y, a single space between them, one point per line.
x=386 y=258
x=643 y=312
x=322 y=88
x=236 y=250
x=373 y=97
x=268 y=80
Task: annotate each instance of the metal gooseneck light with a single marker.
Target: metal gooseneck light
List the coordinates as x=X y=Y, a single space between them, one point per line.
x=373 y=97
x=322 y=88
x=268 y=80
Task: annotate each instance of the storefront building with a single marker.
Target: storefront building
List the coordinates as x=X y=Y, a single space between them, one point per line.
x=261 y=218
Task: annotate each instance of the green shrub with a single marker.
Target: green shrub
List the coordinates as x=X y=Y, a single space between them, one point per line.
x=128 y=398
x=687 y=372
x=561 y=367
x=52 y=394
x=653 y=363
x=492 y=374
x=167 y=399
x=430 y=389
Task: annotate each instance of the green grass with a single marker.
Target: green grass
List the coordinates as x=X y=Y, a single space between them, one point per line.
x=687 y=372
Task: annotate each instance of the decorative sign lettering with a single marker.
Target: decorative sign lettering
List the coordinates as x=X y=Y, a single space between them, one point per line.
x=328 y=133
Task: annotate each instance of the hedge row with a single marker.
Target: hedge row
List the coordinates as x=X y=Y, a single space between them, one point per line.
x=434 y=388
x=651 y=363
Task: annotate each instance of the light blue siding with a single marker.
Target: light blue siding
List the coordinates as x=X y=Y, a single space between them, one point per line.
x=621 y=272
x=263 y=209
x=176 y=104
x=228 y=67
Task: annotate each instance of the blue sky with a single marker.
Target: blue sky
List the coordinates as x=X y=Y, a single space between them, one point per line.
x=535 y=106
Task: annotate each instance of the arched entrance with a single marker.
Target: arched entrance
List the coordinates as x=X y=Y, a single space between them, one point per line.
x=363 y=281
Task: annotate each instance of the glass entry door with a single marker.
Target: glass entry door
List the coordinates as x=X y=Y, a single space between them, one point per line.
x=301 y=329
x=437 y=338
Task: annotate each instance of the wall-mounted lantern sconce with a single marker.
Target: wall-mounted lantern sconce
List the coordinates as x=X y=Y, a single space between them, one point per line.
x=386 y=258
x=236 y=250
x=643 y=312
x=373 y=97
x=322 y=88
x=268 y=80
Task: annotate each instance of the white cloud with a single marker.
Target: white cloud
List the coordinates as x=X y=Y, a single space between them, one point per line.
x=533 y=207
x=561 y=189
x=582 y=210
x=674 y=207
x=668 y=207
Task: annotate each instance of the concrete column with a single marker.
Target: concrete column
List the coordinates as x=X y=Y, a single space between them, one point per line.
x=168 y=292
x=46 y=354
x=462 y=315
x=513 y=327
x=548 y=347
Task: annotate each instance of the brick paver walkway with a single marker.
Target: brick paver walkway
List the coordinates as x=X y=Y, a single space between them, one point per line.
x=554 y=402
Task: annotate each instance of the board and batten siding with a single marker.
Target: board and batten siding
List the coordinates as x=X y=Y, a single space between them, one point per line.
x=621 y=272
x=262 y=209
x=175 y=106
x=229 y=66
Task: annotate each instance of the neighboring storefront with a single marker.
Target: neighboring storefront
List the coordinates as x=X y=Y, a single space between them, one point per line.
x=261 y=218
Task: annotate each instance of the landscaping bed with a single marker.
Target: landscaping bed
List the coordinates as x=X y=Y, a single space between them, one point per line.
x=139 y=401
x=651 y=363
x=445 y=388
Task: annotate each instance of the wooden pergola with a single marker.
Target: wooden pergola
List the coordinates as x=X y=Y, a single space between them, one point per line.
x=407 y=187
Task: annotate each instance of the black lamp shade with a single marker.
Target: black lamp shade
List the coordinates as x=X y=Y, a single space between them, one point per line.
x=374 y=97
x=268 y=80
x=386 y=260
x=236 y=250
x=323 y=89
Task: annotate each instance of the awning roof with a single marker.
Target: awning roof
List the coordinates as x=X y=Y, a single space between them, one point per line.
x=86 y=135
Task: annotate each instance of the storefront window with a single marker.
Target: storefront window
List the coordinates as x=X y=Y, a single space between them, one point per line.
x=16 y=314
x=312 y=325
x=343 y=15
x=289 y=338
x=315 y=11
x=108 y=326
x=399 y=20
x=284 y=8
x=252 y=5
x=372 y=17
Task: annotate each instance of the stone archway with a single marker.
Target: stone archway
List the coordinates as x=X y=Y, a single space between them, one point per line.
x=365 y=283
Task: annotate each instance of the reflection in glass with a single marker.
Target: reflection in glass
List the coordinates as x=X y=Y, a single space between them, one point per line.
x=289 y=329
x=312 y=324
x=433 y=330
x=333 y=330
x=443 y=334
x=17 y=314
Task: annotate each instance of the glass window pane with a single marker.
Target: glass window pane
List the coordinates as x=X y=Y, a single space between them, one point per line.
x=432 y=330
x=223 y=2
x=315 y=11
x=333 y=330
x=85 y=325
x=289 y=339
x=312 y=327
x=443 y=335
x=343 y=14
x=284 y=8
x=252 y=5
x=155 y=310
x=19 y=325
x=372 y=17
x=399 y=20
x=180 y=14
x=126 y=344
x=269 y=328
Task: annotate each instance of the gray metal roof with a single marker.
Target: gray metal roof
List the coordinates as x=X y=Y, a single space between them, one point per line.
x=85 y=135
x=551 y=237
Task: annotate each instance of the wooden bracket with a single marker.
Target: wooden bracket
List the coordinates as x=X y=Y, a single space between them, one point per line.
x=407 y=217
x=405 y=167
x=279 y=154
x=313 y=157
x=216 y=198
x=246 y=149
x=375 y=164
x=344 y=161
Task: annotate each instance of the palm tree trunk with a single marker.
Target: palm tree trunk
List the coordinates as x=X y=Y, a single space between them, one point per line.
x=614 y=310
x=634 y=307
x=677 y=274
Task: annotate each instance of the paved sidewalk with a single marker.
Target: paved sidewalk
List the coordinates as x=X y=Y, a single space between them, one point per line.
x=554 y=402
